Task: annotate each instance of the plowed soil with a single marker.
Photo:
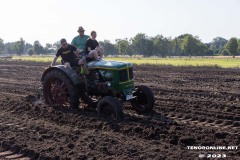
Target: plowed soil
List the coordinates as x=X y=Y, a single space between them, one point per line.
x=195 y=106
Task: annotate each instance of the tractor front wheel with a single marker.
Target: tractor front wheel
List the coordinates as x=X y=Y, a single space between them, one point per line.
x=144 y=99
x=110 y=107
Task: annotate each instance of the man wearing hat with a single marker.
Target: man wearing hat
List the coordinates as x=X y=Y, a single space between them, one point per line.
x=80 y=41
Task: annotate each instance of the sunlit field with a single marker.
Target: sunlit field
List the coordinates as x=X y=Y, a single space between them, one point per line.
x=227 y=62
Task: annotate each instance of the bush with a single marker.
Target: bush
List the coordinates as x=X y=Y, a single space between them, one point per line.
x=30 y=52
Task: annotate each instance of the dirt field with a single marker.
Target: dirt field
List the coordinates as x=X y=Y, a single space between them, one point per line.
x=194 y=107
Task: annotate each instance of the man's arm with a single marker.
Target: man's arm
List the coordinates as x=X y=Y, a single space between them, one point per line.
x=76 y=51
x=54 y=61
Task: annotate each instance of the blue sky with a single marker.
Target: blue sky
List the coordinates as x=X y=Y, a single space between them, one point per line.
x=50 y=20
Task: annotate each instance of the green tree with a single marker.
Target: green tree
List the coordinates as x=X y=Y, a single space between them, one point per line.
x=19 y=46
x=179 y=42
x=122 y=45
x=176 y=47
x=148 y=47
x=224 y=52
x=207 y=50
x=232 y=46
x=238 y=46
x=192 y=46
x=217 y=44
x=142 y=45
x=130 y=50
x=2 y=46
x=30 y=52
x=27 y=47
x=38 y=48
x=158 y=44
x=10 y=47
x=109 y=48
x=48 y=45
x=162 y=46
x=189 y=45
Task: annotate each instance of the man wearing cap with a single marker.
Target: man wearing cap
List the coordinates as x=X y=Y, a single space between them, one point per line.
x=80 y=41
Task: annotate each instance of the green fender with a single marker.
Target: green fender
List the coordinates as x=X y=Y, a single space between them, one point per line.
x=72 y=75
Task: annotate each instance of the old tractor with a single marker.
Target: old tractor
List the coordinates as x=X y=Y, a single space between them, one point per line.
x=107 y=85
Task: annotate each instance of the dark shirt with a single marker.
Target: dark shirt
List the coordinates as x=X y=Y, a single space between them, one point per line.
x=68 y=55
x=92 y=44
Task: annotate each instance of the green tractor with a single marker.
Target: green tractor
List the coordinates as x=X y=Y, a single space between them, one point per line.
x=107 y=85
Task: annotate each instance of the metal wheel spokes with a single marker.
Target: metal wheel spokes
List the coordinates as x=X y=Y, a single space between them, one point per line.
x=59 y=92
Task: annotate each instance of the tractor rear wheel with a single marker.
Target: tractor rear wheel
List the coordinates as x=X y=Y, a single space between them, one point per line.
x=110 y=107
x=144 y=100
x=58 y=90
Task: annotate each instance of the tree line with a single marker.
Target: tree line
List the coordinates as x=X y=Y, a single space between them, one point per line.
x=22 y=48
x=140 y=44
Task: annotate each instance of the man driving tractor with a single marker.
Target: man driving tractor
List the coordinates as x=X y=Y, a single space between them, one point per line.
x=68 y=54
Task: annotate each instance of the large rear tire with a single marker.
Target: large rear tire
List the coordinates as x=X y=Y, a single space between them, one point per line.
x=144 y=101
x=110 y=107
x=58 y=90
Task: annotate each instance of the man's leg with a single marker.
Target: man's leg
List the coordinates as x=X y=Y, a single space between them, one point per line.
x=82 y=63
x=93 y=54
x=100 y=51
